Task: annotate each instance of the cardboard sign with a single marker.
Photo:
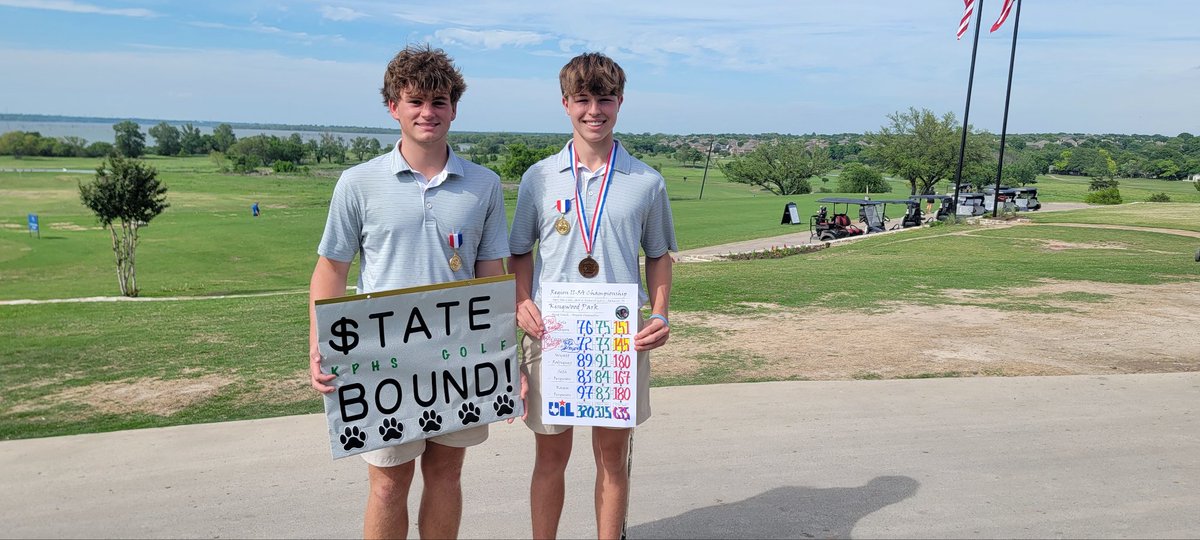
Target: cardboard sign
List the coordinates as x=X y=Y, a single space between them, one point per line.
x=589 y=367
x=417 y=363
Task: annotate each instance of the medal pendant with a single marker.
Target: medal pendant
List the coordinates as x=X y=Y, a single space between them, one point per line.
x=588 y=267
x=455 y=262
x=562 y=226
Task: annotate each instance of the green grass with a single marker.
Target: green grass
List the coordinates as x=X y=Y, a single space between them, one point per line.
x=1185 y=216
x=915 y=266
x=207 y=244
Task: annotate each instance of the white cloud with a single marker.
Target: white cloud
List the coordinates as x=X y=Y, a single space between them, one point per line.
x=259 y=28
x=341 y=14
x=489 y=39
x=77 y=7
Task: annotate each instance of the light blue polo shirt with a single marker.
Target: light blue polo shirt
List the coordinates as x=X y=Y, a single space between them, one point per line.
x=382 y=212
x=637 y=214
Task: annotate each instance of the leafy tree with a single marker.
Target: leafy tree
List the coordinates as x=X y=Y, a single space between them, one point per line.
x=365 y=146
x=519 y=158
x=333 y=147
x=1101 y=165
x=922 y=148
x=223 y=137
x=688 y=155
x=167 y=138
x=191 y=141
x=100 y=149
x=71 y=146
x=1164 y=168
x=18 y=144
x=1060 y=164
x=313 y=147
x=129 y=140
x=859 y=178
x=125 y=196
x=782 y=167
x=1021 y=172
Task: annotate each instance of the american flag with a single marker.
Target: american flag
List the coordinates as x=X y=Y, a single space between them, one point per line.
x=1003 y=14
x=968 y=9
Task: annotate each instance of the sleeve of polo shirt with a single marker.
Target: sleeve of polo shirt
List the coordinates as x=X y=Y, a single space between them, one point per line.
x=524 y=233
x=658 y=233
x=494 y=244
x=343 y=227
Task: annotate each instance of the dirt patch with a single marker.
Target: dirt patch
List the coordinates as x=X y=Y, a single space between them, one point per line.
x=287 y=389
x=146 y=395
x=1055 y=328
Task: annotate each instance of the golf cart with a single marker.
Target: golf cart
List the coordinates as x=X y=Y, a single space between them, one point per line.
x=1005 y=197
x=970 y=204
x=825 y=226
x=912 y=212
x=1026 y=199
x=943 y=210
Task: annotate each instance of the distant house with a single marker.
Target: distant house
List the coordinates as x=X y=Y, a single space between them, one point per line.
x=1194 y=178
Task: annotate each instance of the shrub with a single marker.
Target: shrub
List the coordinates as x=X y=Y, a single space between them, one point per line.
x=282 y=166
x=776 y=252
x=1159 y=197
x=1102 y=183
x=1110 y=195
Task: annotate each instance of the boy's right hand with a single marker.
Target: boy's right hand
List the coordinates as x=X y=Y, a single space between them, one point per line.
x=529 y=318
x=316 y=378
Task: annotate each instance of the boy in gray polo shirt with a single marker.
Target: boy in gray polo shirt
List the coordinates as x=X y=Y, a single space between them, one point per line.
x=637 y=215
x=417 y=215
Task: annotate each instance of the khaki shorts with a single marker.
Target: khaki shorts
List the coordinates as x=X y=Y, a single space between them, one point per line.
x=404 y=453
x=531 y=367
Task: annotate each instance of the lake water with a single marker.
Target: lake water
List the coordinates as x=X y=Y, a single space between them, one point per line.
x=103 y=131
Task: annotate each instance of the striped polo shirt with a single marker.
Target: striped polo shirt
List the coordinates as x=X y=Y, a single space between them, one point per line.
x=400 y=228
x=637 y=215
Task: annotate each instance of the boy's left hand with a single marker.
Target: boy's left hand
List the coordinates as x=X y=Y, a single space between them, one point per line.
x=652 y=336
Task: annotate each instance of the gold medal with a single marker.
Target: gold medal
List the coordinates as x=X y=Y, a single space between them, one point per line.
x=455 y=262
x=588 y=267
x=562 y=225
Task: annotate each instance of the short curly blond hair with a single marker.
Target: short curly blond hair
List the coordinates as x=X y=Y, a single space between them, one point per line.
x=593 y=73
x=422 y=70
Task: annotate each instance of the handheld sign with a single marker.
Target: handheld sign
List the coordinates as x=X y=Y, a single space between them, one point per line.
x=589 y=366
x=418 y=363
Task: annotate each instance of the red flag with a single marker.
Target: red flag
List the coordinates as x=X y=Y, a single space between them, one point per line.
x=966 y=18
x=1003 y=14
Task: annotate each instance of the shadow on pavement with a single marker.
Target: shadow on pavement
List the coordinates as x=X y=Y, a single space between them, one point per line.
x=786 y=512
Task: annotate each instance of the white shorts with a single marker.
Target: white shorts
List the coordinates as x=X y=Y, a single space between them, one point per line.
x=404 y=453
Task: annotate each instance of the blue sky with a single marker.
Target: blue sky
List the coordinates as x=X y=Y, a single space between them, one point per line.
x=694 y=66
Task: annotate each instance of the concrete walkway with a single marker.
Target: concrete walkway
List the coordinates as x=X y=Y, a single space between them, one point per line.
x=1029 y=457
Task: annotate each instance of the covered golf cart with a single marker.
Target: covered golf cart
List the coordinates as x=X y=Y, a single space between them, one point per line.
x=1005 y=197
x=970 y=204
x=912 y=212
x=943 y=210
x=826 y=225
x=1026 y=199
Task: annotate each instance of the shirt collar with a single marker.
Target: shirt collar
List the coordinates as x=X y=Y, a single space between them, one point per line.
x=623 y=162
x=454 y=166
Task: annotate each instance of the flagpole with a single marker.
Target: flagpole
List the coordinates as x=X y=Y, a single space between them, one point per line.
x=1012 y=57
x=962 y=147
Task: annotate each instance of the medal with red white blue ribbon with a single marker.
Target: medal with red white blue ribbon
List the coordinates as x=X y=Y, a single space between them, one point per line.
x=589 y=230
x=561 y=224
x=455 y=240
